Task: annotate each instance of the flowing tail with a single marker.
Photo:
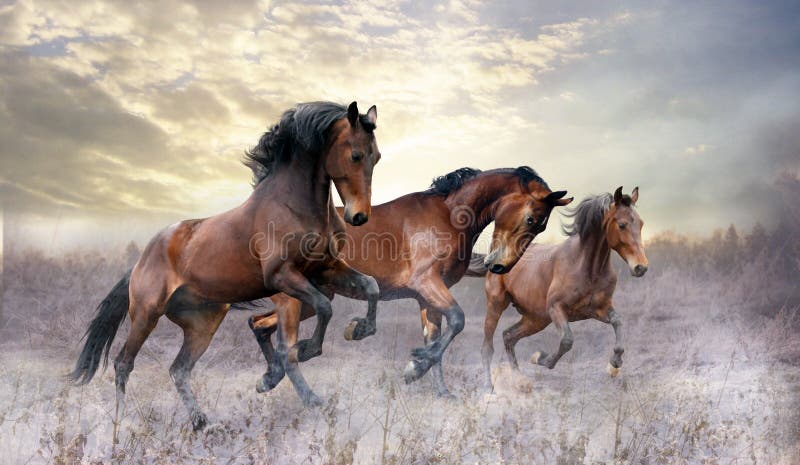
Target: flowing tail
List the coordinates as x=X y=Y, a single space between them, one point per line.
x=476 y=266
x=101 y=332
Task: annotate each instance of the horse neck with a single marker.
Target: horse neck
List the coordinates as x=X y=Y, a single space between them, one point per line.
x=310 y=186
x=596 y=253
x=480 y=195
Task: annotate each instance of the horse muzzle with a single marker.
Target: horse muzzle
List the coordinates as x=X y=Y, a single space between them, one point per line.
x=639 y=270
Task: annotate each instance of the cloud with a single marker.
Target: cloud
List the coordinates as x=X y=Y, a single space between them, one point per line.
x=116 y=109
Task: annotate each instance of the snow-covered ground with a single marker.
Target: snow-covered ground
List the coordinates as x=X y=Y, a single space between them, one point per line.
x=706 y=379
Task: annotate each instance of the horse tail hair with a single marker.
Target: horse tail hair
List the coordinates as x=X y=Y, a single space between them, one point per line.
x=476 y=266
x=101 y=332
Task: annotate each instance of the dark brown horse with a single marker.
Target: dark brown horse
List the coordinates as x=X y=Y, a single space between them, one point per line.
x=419 y=245
x=571 y=281
x=276 y=241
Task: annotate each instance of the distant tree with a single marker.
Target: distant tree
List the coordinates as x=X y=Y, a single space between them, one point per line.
x=756 y=241
x=729 y=250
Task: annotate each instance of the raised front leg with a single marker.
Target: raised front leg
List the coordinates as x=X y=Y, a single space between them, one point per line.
x=559 y=317
x=523 y=328
x=616 y=358
x=434 y=296
x=346 y=281
x=296 y=285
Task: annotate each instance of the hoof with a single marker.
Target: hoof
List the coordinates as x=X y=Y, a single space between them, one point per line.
x=415 y=369
x=358 y=329
x=199 y=421
x=540 y=358
x=446 y=395
x=313 y=401
x=612 y=370
x=268 y=382
x=303 y=351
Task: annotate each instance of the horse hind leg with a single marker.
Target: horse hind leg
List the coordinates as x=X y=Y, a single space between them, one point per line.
x=143 y=321
x=199 y=321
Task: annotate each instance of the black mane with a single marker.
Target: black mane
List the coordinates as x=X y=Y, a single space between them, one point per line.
x=444 y=185
x=304 y=127
x=450 y=182
x=526 y=174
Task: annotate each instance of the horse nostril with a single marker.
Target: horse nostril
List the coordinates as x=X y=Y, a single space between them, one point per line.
x=498 y=269
x=359 y=219
x=639 y=270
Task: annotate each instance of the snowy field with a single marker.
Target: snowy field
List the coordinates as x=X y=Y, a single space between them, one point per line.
x=711 y=375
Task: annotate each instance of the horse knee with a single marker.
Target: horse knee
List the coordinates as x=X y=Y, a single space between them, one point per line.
x=455 y=319
x=371 y=289
x=324 y=309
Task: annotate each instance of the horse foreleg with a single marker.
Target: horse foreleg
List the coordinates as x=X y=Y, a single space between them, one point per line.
x=348 y=282
x=289 y=350
x=495 y=305
x=559 y=317
x=616 y=359
x=521 y=329
x=434 y=296
x=431 y=329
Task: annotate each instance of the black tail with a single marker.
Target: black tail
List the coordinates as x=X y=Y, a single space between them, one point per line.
x=101 y=332
x=476 y=266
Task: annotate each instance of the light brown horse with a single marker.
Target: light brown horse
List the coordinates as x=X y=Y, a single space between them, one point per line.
x=278 y=240
x=419 y=245
x=571 y=281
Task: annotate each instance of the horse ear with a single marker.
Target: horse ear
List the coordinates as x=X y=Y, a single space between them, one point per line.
x=618 y=195
x=557 y=199
x=372 y=115
x=635 y=195
x=352 y=114
x=563 y=202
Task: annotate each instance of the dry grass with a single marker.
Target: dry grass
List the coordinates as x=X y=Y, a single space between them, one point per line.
x=710 y=376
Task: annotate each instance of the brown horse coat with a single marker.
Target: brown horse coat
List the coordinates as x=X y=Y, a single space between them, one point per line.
x=419 y=245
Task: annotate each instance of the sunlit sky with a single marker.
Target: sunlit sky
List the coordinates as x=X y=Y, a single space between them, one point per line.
x=118 y=118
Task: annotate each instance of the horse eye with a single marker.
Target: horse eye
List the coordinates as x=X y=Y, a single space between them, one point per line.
x=622 y=225
x=529 y=220
x=356 y=156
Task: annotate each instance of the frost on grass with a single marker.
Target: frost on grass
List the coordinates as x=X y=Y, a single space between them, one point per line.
x=710 y=375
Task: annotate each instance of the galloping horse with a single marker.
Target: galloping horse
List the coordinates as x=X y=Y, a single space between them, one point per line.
x=278 y=240
x=571 y=281
x=419 y=245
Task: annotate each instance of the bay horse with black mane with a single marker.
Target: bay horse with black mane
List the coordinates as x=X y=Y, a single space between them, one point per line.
x=191 y=271
x=418 y=246
x=567 y=282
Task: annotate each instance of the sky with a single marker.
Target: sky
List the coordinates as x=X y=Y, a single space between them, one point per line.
x=117 y=119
